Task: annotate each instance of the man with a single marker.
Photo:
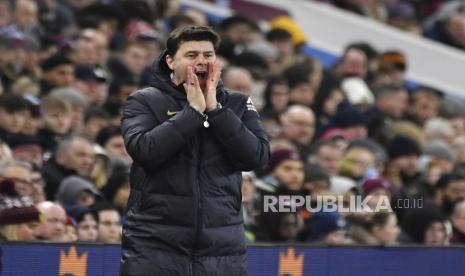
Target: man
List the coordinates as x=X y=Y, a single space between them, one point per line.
x=299 y=127
x=75 y=156
x=189 y=139
x=109 y=222
x=52 y=226
x=20 y=173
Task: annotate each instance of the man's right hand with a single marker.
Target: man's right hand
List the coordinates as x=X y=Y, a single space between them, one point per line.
x=194 y=93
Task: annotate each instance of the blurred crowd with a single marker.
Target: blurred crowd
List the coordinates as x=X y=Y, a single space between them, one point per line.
x=440 y=20
x=67 y=67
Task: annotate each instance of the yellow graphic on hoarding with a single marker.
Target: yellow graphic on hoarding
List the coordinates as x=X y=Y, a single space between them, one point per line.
x=290 y=264
x=72 y=264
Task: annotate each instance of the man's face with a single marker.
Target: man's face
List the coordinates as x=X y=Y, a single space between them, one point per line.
x=62 y=75
x=455 y=191
x=290 y=174
x=408 y=165
x=53 y=225
x=115 y=147
x=12 y=121
x=329 y=158
x=299 y=127
x=94 y=125
x=80 y=157
x=31 y=153
x=58 y=121
x=424 y=108
x=109 y=226
x=87 y=229
x=135 y=58
x=21 y=177
x=195 y=53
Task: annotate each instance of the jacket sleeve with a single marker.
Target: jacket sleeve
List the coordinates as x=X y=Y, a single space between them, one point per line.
x=243 y=140
x=150 y=143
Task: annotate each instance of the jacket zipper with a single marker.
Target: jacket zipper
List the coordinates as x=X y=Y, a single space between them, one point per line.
x=198 y=190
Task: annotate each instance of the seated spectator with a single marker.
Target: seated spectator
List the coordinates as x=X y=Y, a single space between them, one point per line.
x=109 y=224
x=458 y=223
x=19 y=217
x=91 y=82
x=87 y=222
x=27 y=148
x=298 y=126
x=379 y=189
x=53 y=224
x=13 y=111
x=74 y=156
x=117 y=189
x=111 y=139
x=78 y=103
x=57 y=116
x=378 y=228
x=450 y=189
x=20 y=173
x=328 y=228
x=426 y=226
x=95 y=119
x=76 y=191
x=58 y=71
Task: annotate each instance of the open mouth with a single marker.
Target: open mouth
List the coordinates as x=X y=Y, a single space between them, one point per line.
x=201 y=75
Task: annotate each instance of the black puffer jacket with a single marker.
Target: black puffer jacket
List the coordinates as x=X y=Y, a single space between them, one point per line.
x=184 y=212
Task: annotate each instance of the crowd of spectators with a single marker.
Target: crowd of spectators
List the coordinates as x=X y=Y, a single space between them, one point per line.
x=440 y=20
x=68 y=66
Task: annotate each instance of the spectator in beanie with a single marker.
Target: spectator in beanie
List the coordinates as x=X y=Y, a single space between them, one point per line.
x=53 y=225
x=58 y=71
x=74 y=156
x=402 y=169
x=328 y=228
x=316 y=181
x=380 y=191
x=458 y=223
x=18 y=216
x=12 y=116
x=57 y=116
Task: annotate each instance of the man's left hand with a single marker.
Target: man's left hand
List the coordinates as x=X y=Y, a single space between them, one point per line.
x=214 y=74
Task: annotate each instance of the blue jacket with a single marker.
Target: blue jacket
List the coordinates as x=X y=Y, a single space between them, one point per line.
x=186 y=179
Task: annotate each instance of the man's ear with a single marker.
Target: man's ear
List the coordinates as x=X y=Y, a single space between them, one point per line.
x=169 y=61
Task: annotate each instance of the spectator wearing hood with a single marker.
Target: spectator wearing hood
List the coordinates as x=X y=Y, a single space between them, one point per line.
x=76 y=191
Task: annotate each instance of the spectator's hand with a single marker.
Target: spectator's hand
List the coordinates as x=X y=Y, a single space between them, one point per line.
x=214 y=74
x=194 y=93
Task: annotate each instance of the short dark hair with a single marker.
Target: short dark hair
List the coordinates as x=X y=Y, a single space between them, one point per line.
x=190 y=33
x=446 y=179
x=95 y=112
x=12 y=103
x=107 y=133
